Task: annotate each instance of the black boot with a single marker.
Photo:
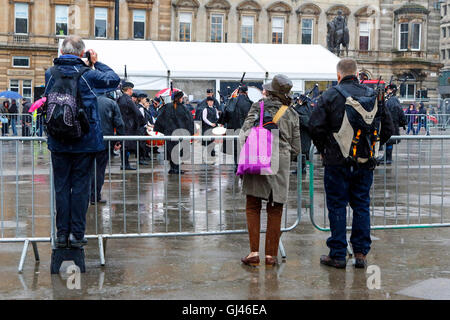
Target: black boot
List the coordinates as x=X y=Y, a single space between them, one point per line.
x=127 y=163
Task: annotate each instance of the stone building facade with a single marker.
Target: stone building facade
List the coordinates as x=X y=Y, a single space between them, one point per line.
x=444 y=79
x=387 y=37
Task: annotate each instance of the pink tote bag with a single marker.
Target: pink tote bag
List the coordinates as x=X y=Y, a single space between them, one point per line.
x=255 y=156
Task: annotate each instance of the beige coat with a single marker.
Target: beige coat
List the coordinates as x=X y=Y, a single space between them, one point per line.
x=289 y=144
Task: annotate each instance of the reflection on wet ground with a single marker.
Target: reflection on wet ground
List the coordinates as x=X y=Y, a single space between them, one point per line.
x=209 y=267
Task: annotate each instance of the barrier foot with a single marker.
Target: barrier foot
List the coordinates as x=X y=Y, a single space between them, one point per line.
x=67 y=254
x=101 y=250
x=350 y=250
x=35 y=250
x=282 y=251
x=23 y=256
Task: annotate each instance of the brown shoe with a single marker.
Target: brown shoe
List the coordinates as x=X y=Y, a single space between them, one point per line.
x=252 y=261
x=360 y=261
x=271 y=261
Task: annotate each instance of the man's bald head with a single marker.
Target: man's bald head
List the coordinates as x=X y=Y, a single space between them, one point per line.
x=347 y=67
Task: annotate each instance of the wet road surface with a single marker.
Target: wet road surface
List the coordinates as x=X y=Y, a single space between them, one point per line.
x=414 y=263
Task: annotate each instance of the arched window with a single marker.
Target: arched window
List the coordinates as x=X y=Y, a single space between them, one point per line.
x=186 y=19
x=217 y=15
x=279 y=13
x=308 y=20
x=248 y=15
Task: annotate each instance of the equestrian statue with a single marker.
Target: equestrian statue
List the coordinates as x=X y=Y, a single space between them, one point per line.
x=338 y=34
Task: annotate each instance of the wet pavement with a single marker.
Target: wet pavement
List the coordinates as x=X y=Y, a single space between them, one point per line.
x=413 y=263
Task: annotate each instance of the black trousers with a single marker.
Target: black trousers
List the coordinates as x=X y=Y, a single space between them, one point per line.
x=72 y=177
x=98 y=174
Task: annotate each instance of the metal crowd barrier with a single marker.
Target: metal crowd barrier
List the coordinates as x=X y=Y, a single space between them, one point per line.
x=27 y=125
x=409 y=193
x=145 y=203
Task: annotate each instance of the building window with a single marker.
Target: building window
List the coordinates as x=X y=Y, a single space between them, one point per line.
x=448 y=54
x=21 y=62
x=21 y=18
x=100 y=23
x=247 y=29
x=307 y=31
x=416 y=36
x=404 y=30
x=277 y=30
x=61 y=20
x=14 y=85
x=216 y=28
x=443 y=54
x=364 y=36
x=444 y=32
x=185 y=26
x=408 y=91
x=445 y=9
x=26 y=88
x=139 y=24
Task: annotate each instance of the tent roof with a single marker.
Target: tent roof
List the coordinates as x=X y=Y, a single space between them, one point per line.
x=204 y=60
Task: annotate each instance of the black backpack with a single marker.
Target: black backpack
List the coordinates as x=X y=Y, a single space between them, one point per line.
x=359 y=135
x=65 y=117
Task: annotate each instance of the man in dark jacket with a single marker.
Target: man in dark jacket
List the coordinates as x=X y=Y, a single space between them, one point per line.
x=73 y=162
x=26 y=117
x=133 y=121
x=14 y=110
x=422 y=119
x=304 y=111
x=346 y=182
x=174 y=116
x=110 y=119
x=394 y=107
x=234 y=117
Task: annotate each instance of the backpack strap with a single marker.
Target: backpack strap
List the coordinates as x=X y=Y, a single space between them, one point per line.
x=261 y=115
x=279 y=113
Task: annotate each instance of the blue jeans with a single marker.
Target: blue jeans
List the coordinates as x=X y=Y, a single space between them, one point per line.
x=343 y=186
x=72 y=176
x=411 y=127
x=424 y=125
x=13 y=127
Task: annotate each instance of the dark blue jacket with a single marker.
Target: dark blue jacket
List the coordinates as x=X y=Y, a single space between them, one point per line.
x=91 y=84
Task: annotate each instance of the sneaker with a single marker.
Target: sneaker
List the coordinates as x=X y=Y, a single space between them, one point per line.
x=328 y=261
x=77 y=243
x=360 y=261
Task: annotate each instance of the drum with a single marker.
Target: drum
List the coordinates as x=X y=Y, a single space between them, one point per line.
x=152 y=133
x=219 y=131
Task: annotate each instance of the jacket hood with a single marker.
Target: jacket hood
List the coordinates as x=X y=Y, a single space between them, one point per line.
x=69 y=61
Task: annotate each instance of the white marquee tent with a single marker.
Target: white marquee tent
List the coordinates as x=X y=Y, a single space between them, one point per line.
x=151 y=64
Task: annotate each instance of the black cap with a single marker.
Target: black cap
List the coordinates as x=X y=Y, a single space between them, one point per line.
x=209 y=99
x=157 y=99
x=142 y=95
x=127 y=85
x=134 y=95
x=177 y=95
x=391 y=86
x=209 y=91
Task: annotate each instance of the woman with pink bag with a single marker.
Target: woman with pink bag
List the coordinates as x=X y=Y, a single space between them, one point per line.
x=272 y=185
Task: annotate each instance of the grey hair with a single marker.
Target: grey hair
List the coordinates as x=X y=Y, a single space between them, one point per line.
x=73 y=45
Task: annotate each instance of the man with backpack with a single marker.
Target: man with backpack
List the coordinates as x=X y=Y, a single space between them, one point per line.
x=74 y=133
x=347 y=126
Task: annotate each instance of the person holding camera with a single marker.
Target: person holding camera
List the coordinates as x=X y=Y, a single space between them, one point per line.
x=73 y=149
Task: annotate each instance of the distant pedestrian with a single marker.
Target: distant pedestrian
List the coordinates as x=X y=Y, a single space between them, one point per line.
x=210 y=117
x=4 y=117
x=422 y=121
x=349 y=159
x=14 y=111
x=26 y=118
x=271 y=188
x=304 y=111
x=411 y=117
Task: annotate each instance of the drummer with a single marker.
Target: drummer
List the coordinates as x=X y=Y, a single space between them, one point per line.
x=210 y=119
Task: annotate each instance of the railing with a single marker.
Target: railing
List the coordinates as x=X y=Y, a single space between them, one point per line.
x=145 y=203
